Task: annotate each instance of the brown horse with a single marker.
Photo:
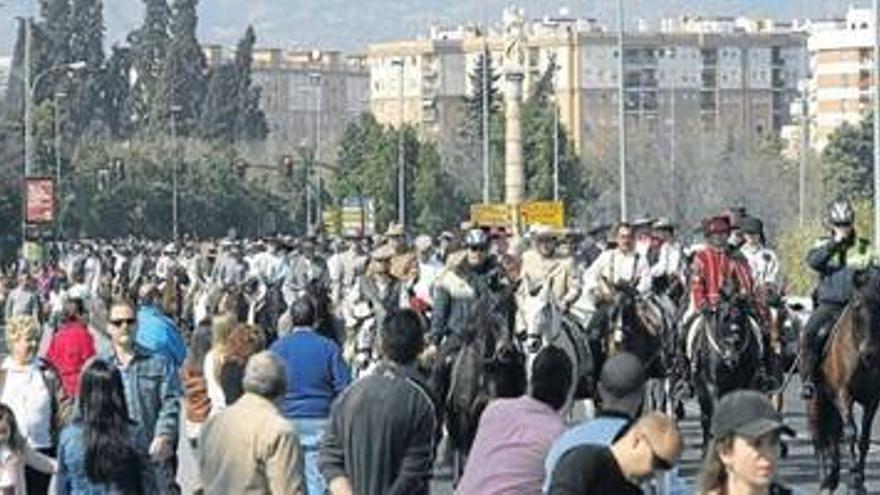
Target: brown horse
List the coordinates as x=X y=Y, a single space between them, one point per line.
x=850 y=371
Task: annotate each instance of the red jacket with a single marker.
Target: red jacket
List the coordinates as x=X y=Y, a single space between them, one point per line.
x=68 y=352
x=711 y=268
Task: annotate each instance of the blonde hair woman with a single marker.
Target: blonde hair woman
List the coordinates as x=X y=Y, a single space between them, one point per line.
x=221 y=327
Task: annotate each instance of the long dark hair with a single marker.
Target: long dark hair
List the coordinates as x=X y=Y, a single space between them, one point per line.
x=110 y=456
x=15 y=443
x=713 y=474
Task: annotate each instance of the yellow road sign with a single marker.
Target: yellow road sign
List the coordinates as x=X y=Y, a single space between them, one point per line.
x=544 y=213
x=490 y=215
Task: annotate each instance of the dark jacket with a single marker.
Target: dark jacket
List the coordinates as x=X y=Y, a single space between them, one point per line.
x=381 y=434
x=836 y=262
x=457 y=291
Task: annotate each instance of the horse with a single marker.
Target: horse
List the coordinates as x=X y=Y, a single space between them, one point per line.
x=487 y=365
x=639 y=325
x=725 y=353
x=546 y=325
x=849 y=372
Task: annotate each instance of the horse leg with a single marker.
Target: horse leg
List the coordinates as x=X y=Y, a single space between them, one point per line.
x=844 y=405
x=857 y=483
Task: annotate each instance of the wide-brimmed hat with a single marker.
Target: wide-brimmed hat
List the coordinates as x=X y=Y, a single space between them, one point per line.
x=718 y=225
x=663 y=223
x=541 y=231
x=394 y=230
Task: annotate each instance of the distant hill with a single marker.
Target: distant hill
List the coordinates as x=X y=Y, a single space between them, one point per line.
x=351 y=24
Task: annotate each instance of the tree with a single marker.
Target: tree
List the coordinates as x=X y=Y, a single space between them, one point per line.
x=250 y=119
x=149 y=47
x=849 y=159
x=185 y=70
x=116 y=93
x=220 y=110
x=85 y=89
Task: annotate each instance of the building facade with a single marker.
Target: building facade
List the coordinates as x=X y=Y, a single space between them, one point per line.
x=736 y=77
x=841 y=68
x=308 y=96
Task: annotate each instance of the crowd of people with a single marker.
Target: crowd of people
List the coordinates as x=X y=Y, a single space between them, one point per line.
x=313 y=365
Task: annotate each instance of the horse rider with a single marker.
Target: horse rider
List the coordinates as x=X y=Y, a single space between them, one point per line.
x=349 y=265
x=620 y=264
x=304 y=267
x=404 y=258
x=372 y=298
x=468 y=277
x=715 y=265
x=595 y=242
x=542 y=265
x=665 y=266
x=764 y=265
x=835 y=258
x=426 y=269
x=167 y=262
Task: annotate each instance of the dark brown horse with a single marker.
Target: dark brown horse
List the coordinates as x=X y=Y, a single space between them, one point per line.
x=850 y=372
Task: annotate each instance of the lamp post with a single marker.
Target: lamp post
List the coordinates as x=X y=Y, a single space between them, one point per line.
x=621 y=112
x=175 y=165
x=57 y=129
x=401 y=172
x=316 y=79
x=876 y=104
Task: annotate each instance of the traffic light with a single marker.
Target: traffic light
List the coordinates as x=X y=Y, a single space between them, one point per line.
x=241 y=166
x=117 y=166
x=287 y=166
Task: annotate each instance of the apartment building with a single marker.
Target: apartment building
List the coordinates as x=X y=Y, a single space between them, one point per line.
x=736 y=77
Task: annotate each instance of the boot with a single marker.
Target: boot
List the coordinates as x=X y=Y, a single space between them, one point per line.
x=808 y=370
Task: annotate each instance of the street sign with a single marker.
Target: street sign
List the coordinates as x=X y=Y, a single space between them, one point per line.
x=332 y=221
x=543 y=212
x=39 y=200
x=490 y=215
x=357 y=216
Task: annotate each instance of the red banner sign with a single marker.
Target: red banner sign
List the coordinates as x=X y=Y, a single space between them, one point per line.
x=39 y=200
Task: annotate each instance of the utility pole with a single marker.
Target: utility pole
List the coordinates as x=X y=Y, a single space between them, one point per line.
x=802 y=162
x=673 y=189
x=317 y=81
x=485 y=105
x=29 y=100
x=401 y=171
x=621 y=110
x=175 y=165
x=555 y=150
x=876 y=84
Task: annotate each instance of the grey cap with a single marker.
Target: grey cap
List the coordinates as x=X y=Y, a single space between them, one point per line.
x=748 y=414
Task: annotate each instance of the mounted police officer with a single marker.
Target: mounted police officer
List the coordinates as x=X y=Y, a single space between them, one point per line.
x=835 y=258
x=467 y=277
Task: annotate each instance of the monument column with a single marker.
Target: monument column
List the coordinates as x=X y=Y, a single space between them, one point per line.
x=514 y=174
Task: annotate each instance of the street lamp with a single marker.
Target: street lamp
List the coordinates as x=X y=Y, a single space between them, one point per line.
x=401 y=172
x=174 y=199
x=621 y=113
x=316 y=79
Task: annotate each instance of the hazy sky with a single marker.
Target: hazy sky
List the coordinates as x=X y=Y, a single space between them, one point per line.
x=351 y=24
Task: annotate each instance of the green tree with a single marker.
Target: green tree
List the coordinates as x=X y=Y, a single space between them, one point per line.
x=185 y=67
x=149 y=47
x=85 y=89
x=219 y=113
x=250 y=119
x=849 y=159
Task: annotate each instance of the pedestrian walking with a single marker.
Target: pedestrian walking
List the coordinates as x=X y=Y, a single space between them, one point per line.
x=72 y=346
x=103 y=451
x=316 y=375
x=250 y=448
x=743 y=456
x=380 y=438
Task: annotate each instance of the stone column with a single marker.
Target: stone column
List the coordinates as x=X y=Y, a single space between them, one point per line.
x=514 y=174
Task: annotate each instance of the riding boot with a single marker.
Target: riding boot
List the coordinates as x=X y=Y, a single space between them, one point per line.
x=808 y=375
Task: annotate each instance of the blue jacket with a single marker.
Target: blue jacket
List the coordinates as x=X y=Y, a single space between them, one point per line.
x=157 y=333
x=152 y=394
x=72 y=477
x=316 y=373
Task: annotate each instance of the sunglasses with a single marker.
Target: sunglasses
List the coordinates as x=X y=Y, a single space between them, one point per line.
x=478 y=249
x=122 y=321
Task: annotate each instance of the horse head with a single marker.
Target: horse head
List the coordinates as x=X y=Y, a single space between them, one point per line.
x=538 y=314
x=731 y=328
x=865 y=307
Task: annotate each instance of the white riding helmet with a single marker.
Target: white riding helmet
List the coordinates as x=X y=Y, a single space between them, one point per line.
x=841 y=212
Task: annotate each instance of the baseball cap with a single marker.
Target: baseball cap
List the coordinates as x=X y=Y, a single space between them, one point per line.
x=747 y=413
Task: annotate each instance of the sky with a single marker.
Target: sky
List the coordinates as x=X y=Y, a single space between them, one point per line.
x=350 y=25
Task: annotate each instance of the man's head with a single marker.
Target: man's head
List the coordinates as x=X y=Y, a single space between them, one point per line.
x=663 y=229
x=622 y=384
x=841 y=218
x=624 y=237
x=264 y=375
x=395 y=236
x=401 y=337
x=718 y=230
x=74 y=310
x=752 y=230
x=545 y=240
x=424 y=247
x=122 y=323
x=551 y=377
x=302 y=312
x=477 y=243
x=652 y=445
